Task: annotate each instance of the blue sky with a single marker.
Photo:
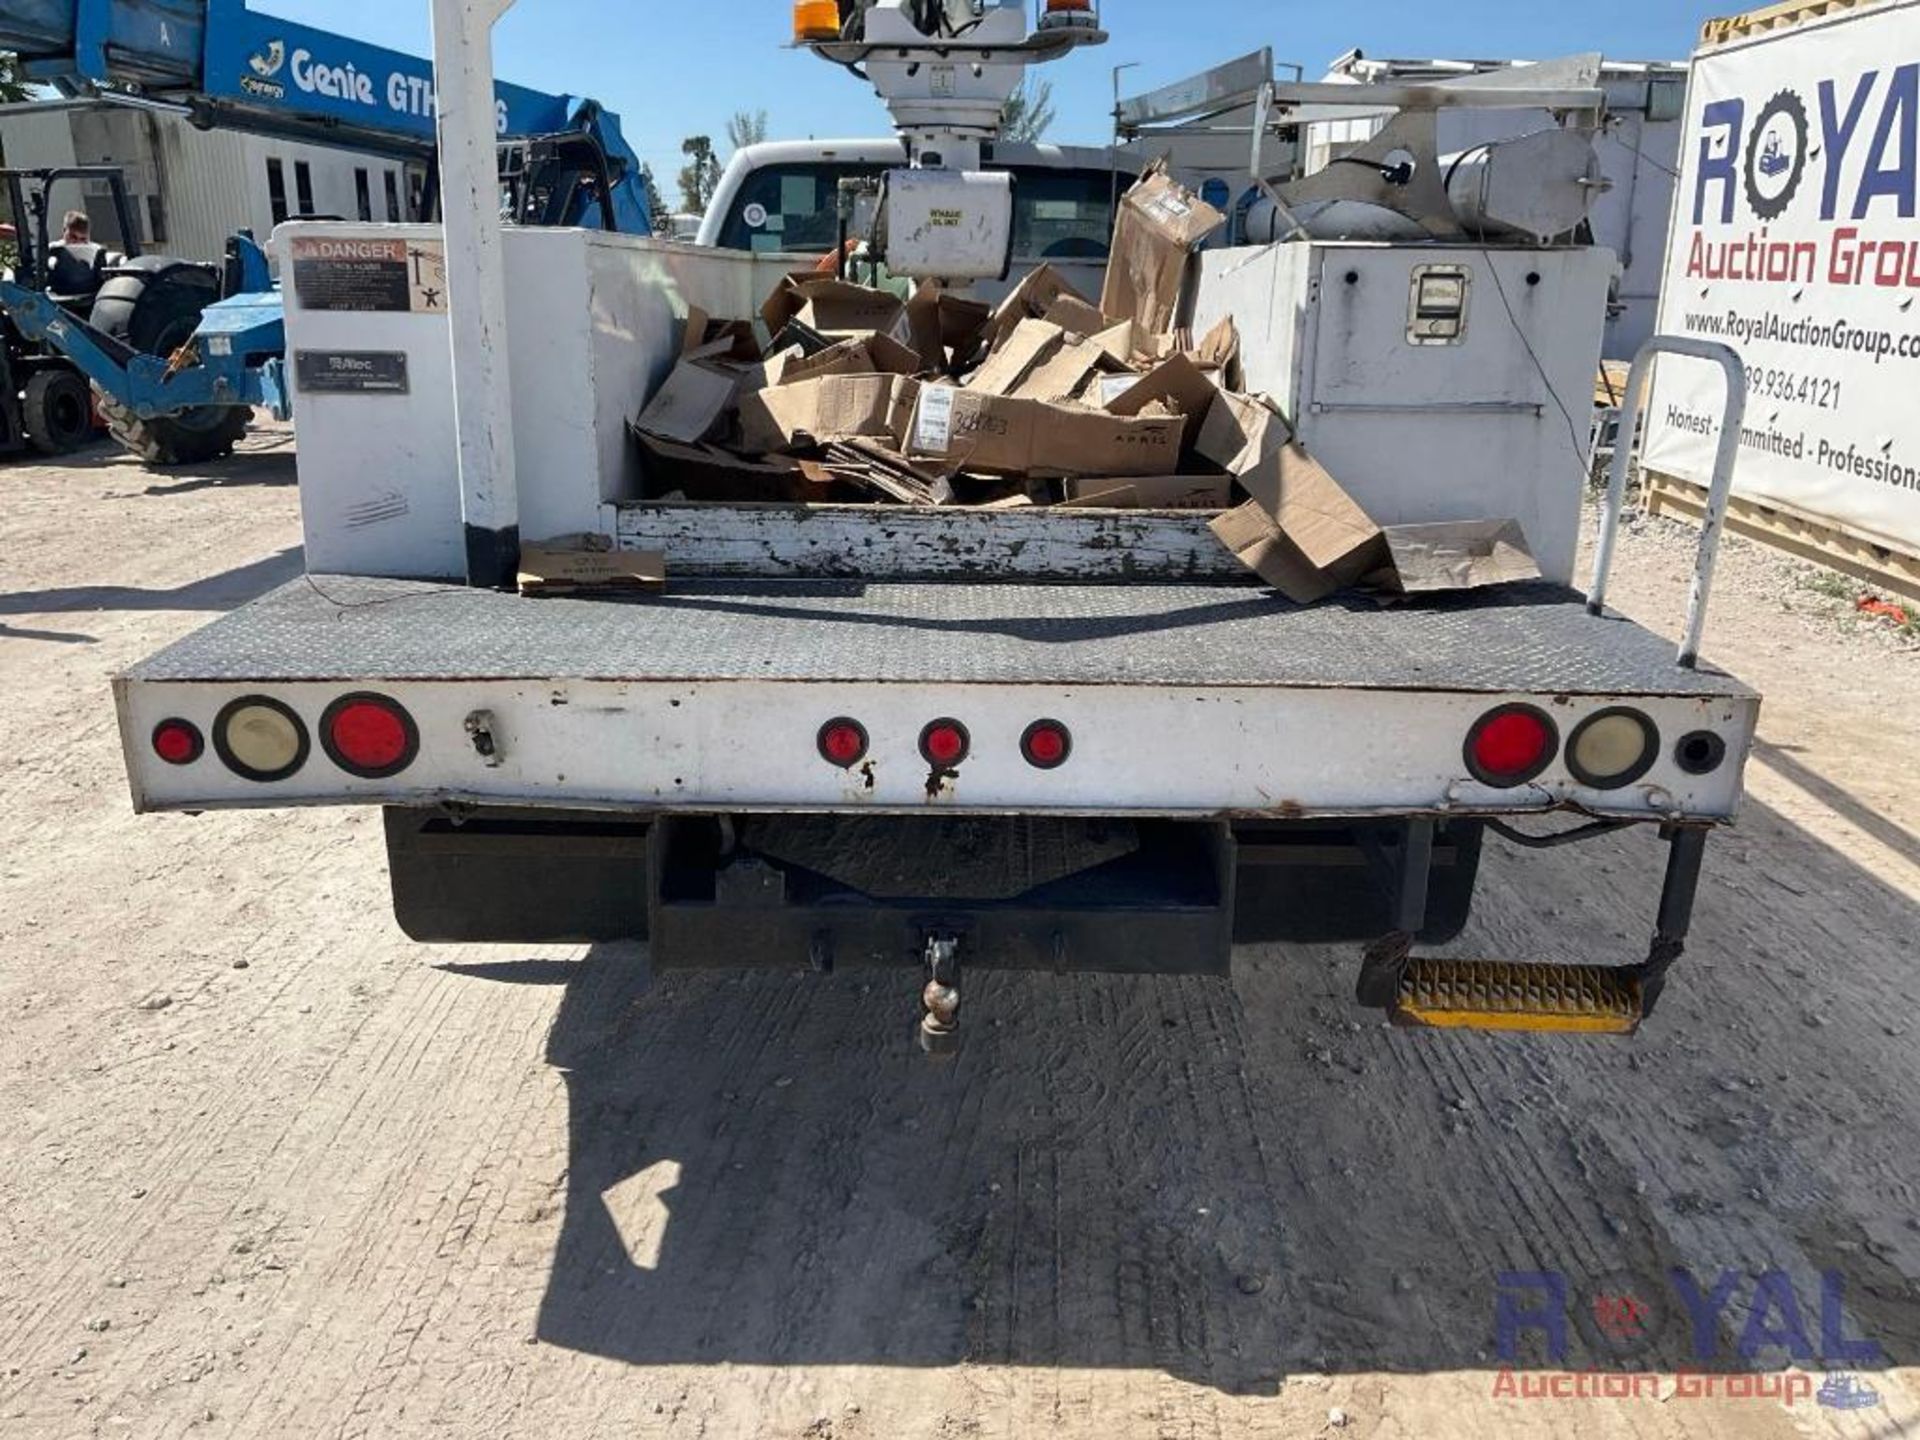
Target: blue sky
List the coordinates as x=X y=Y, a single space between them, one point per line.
x=673 y=69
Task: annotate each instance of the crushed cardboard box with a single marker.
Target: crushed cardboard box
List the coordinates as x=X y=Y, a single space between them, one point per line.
x=1160 y=222
x=1046 y=399
x=1013 y=359
x=1458 y=555
x=573 y=567
x=837 y=309
x=689 y=406
x=863 y=355
x=707 y=472
x=1179 y=384
x=819 y=411
x=1001 y=435
x=1148 y=492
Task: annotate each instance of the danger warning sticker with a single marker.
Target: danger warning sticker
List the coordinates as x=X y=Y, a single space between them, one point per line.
x=343 y=273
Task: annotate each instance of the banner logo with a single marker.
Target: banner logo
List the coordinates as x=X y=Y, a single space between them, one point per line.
x=1777 y=155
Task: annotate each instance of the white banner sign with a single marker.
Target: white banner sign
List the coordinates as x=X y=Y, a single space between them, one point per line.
x=1795 y=240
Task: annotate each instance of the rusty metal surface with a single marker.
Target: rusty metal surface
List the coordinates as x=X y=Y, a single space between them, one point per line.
x=1522 y=638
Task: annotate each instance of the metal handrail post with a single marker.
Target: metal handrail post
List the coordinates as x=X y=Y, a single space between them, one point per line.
x=1713 y=524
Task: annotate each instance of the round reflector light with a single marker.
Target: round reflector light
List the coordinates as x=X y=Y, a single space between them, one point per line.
x=1700 y=753
x=1612 y=748
x=1047 y=744
x=843 y=742
x=178 y=742
x=1511 y=746
x=370 y=736
x=260 y=739
x=944 y=743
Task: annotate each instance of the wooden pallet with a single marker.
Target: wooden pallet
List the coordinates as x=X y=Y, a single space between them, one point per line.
x=1783 y=16
x=1822 y=542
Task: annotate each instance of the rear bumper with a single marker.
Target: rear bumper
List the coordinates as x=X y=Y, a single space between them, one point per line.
x=1183 y=701
x=1230 y=752
x=1020 y=893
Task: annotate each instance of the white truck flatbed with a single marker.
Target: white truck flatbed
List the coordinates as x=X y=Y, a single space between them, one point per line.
x=710 y=695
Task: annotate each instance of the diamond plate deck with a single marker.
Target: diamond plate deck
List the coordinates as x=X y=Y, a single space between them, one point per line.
x=1527 y=639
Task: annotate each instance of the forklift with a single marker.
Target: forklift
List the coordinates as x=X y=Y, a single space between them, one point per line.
x=137 y=303
x=45 y=402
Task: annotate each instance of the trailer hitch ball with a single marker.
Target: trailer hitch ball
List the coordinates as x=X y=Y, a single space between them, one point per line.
x=940 y=1024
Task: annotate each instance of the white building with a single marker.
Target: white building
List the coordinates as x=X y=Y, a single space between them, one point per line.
x=190 y=189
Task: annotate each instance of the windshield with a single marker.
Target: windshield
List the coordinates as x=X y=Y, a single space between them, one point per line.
x=1058 y=214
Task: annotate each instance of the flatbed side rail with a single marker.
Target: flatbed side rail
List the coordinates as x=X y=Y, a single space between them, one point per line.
x=1713 y=522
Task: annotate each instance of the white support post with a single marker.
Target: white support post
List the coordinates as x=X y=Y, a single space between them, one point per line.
x=477 y=286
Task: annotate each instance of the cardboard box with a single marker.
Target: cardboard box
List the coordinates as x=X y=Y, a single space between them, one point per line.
x=1239 y=431
x=1076 y=316
x=1219 y=350
x=706 y=472
x=557 y=568
x=1065 y=373
x=689 y=405
x=1160 y=222
x=813 y=412
x=835 y=309
x=1036 y=293
x=1150 y=492
x=1458 y=555
x=867 y=355
x=1013 y=359
x=1301 y=532
x=1264 y=548
x=1000 y=435
x=1181 y=386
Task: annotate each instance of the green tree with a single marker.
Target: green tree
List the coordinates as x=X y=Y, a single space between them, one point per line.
x=656 y=202
x=700 y=175
x=1028 y=113
x=747 y=127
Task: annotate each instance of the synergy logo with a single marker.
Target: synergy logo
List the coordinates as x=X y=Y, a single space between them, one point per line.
x=267 y=63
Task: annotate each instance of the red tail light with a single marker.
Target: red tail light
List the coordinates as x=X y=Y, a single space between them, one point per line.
x=843 y=742
x=369 y=736
x=944 y=743
x=1511 y=746
x=1047 y=744
x=178 y=742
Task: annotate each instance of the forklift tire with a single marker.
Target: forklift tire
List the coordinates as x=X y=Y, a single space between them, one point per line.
x=153 y=304
x=190 y=438
x=57 y=411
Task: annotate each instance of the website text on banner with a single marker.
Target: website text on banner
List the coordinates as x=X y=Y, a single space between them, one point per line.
x=1795 y=239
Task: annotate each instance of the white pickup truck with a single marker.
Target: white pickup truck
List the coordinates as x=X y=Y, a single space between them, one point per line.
x=843 y=735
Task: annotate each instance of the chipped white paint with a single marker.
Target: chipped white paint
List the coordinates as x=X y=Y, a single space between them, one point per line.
x=914 y=543
x=751 y=745
x=476 y=268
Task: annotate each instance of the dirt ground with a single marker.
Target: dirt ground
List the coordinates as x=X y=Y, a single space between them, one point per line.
x=271 y=1170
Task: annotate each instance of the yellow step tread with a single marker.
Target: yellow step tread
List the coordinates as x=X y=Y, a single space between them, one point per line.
x=1502 y=995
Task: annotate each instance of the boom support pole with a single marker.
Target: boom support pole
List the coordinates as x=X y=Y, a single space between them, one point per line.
x=477 y=287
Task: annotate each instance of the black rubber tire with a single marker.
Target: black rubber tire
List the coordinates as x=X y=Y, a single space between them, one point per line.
x=154 y=305
x=208 y=433
x=57 y=411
